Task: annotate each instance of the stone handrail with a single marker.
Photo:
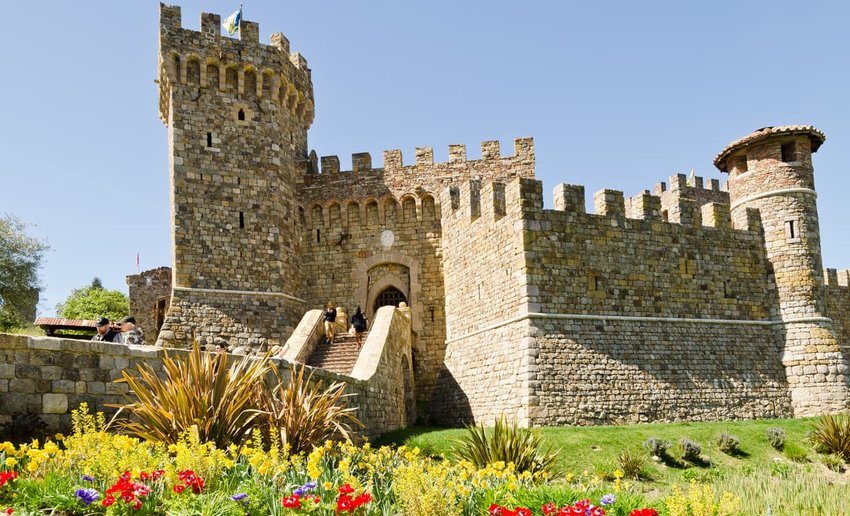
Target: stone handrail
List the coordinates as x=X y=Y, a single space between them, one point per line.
x=303 y=340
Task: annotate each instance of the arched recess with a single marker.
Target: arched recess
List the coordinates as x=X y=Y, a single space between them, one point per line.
x=365 y=295
x=385 y=293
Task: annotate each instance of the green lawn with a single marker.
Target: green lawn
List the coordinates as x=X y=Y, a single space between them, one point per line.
x=761 y=475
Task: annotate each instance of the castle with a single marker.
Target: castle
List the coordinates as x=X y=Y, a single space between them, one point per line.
x=691 y=302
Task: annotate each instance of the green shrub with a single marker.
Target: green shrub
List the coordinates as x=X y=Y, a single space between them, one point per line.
x=832 y=433
x=703 y=476
x=303 y=413
x=522 y=446
x=780 y=470
x=776 y=437
x=657 y=447
x=834 y=462
x=728 y=443
x=690 y=450
x=632 y=464
x=795 y=452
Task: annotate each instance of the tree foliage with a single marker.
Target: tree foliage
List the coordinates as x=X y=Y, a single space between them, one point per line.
x=20 y=259
x=93 y=301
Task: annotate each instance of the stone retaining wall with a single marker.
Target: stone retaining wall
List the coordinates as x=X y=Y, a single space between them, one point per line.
x=50 y=377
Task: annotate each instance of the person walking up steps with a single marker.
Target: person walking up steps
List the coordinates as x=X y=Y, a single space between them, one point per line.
x=358 y=321
x=330 y=322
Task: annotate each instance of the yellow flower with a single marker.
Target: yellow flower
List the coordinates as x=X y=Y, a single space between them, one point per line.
x=327 y=485
x=618 y=474
x=11 y=462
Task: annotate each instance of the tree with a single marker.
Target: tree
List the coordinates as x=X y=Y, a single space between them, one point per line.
x=20 y=259
x=94 y=301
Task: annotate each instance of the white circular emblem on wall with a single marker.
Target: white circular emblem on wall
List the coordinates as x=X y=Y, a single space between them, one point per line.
x=387 y=238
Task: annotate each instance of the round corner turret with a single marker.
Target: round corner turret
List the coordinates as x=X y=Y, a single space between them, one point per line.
x=788 y=144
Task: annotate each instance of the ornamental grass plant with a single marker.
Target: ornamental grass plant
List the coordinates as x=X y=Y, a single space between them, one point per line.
x=508 y=444
x=204 y=391
x=303 y=412
x=832 y=434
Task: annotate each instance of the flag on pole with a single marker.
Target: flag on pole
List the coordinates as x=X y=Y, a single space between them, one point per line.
x=231 y=23
x=692 y=179
x=137 y=262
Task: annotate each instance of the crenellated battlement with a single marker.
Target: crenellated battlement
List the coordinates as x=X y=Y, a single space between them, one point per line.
x=423 y=174
x=523 y=197
x=205 y=60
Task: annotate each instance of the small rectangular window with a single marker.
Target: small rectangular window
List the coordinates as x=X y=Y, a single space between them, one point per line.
x=318 y=235
x=242 y=220
x=665 y=215
x=209 y=139
x=790 y=229
x=454 y=193
x=788 y=154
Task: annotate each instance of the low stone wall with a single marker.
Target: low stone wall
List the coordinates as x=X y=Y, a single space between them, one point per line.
x=50 y=377
x=628 y=371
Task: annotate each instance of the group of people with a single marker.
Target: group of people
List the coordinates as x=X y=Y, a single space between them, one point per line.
x=358 y=324
x=126 y=331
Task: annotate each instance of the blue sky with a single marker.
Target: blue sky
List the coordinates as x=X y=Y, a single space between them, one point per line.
x=616 y=94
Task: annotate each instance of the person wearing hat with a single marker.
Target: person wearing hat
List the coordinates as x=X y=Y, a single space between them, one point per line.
x=130 y=335
x=105 y=332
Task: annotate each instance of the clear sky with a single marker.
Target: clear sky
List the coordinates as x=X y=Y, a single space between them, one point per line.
x=616 y=94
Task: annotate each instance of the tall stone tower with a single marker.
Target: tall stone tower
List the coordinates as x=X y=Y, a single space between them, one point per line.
x=771 y=171
x=237 y=113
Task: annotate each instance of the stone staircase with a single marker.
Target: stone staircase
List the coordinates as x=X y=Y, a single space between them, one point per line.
x=338 y=357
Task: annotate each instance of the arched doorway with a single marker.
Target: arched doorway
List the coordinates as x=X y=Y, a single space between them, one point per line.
x=390 y=296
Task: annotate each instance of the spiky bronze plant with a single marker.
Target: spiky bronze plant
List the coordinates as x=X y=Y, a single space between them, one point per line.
x=304 y=413
x=202 y=390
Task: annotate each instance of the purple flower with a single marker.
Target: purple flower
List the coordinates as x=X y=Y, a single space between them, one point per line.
x=240 y=497
x=87 y=496
x=88 y=478
x=301 y=491
x=608 y=499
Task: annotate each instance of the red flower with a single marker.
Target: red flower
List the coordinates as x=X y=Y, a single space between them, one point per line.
x=508 y=512
x=137 y=505
x=109 y=500
x=522 y=511
x=597 y=511
x=178 y=488
x=644 y=512
x=128 y=497
x=9 y=510
x=549 y=508
x=362 y=500
x=494 y=510
x=157 y=474
x=143 y=476
x=346 y=489
x=344 y=503
x=125 y=477
x=292 y=502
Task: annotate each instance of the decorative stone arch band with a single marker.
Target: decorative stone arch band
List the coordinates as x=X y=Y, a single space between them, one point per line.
x=364 y=296
x=772 y=193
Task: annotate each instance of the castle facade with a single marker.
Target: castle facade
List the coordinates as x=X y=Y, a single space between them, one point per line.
x=690 y=302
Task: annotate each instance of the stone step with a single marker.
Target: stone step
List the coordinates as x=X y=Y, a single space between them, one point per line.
x=338 y=357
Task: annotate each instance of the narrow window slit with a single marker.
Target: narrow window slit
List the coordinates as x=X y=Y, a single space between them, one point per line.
x=209 y=139
x=241 y=220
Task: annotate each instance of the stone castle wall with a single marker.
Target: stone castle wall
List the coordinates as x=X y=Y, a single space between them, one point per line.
x=370 y=228
x=50 y=377
x=838 y=303
x=149 y=290
x=615 y=371
x=606 y=263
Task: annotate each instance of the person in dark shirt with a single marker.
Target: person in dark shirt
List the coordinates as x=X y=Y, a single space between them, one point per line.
x=105 y=333
x=330 y=322
x=358 y=321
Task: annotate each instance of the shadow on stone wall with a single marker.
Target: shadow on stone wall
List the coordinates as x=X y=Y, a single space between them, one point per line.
x=449 y=404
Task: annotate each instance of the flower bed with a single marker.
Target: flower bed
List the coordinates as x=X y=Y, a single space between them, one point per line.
x=94 y=471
